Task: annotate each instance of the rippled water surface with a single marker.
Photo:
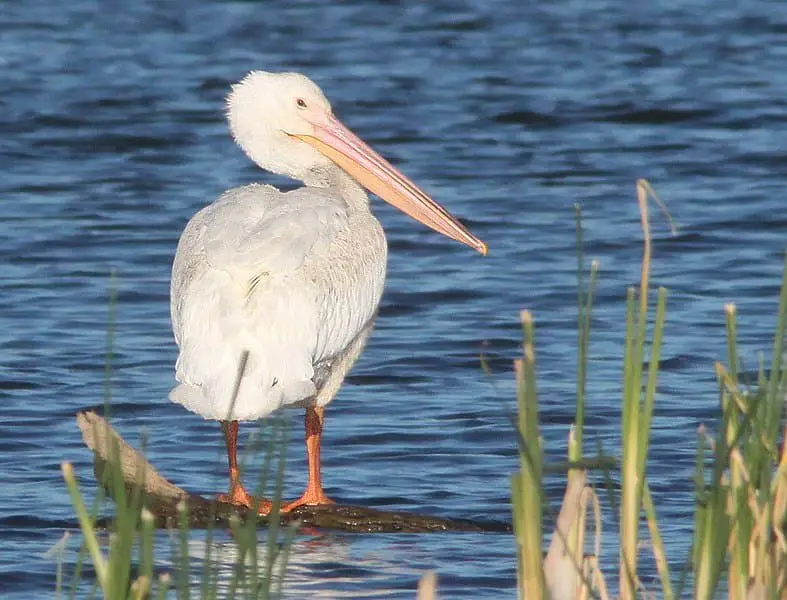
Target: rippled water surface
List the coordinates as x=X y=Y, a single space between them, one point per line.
x=509 y=113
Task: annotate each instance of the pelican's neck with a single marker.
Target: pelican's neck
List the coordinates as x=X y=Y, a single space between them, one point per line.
x=338 y=180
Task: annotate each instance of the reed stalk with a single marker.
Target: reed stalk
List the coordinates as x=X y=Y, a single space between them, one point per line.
x=575 y=535
x=637 y=411
x=526 y=486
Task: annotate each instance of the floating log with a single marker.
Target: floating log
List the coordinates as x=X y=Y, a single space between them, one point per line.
x=162 y=498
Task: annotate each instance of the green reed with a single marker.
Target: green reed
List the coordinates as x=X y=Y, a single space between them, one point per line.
x=741 y=472
x=124 y=562
x=527 y=485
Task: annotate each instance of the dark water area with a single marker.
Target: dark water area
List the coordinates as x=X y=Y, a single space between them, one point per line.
x=509 y=113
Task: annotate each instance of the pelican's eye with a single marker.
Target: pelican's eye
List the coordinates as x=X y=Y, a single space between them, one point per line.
x=300 y=102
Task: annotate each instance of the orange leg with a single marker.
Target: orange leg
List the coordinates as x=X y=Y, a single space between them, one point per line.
x=315 y=415
x=237 y=494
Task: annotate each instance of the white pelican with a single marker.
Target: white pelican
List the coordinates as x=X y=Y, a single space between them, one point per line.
x=294 y=278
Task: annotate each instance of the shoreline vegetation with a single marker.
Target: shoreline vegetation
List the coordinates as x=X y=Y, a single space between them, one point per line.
x=740 y=477
x=738 y=542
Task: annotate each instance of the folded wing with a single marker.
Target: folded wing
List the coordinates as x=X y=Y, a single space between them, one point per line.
x=238 y=284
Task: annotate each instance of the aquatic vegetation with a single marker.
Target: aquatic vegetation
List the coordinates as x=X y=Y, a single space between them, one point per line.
x=741 y=472
x=126 y=568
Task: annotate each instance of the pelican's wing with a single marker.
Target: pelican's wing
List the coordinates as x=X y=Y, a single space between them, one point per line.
x=237 y=285
x=256 y=230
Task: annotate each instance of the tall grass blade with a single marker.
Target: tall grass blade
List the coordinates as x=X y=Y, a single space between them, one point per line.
x=271 y=551
x=183 y=589
x=146 y=545
x=646 y=416
x=659 y=552
x=775 y=399
x=528 y=496
x=86 y=525
x=163 y=585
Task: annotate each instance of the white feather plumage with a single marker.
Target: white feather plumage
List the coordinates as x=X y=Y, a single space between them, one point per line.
x=291 y=277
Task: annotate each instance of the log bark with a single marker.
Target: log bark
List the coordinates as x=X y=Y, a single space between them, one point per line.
x=162 y=498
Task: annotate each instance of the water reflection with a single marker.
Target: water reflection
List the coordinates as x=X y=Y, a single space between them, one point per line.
x=318 y=566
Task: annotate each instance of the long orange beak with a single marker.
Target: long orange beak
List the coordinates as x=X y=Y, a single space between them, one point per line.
x=380 y=177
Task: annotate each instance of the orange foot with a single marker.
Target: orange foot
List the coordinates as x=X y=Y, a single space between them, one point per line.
x=310 y=497
x=239 y=497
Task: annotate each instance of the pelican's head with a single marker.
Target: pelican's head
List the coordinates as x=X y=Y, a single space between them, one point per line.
x=285 y=124
x=266 y=113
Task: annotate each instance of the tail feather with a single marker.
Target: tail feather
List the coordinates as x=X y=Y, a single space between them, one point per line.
x=249 y=405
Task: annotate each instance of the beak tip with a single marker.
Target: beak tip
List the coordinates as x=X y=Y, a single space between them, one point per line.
x=483 y=248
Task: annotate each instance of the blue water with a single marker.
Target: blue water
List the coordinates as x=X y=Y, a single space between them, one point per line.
x=509 y=113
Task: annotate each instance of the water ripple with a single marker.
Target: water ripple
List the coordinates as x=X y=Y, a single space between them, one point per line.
x=510 y=114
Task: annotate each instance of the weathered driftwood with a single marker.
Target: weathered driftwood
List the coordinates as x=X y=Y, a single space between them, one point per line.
x=162 y=497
